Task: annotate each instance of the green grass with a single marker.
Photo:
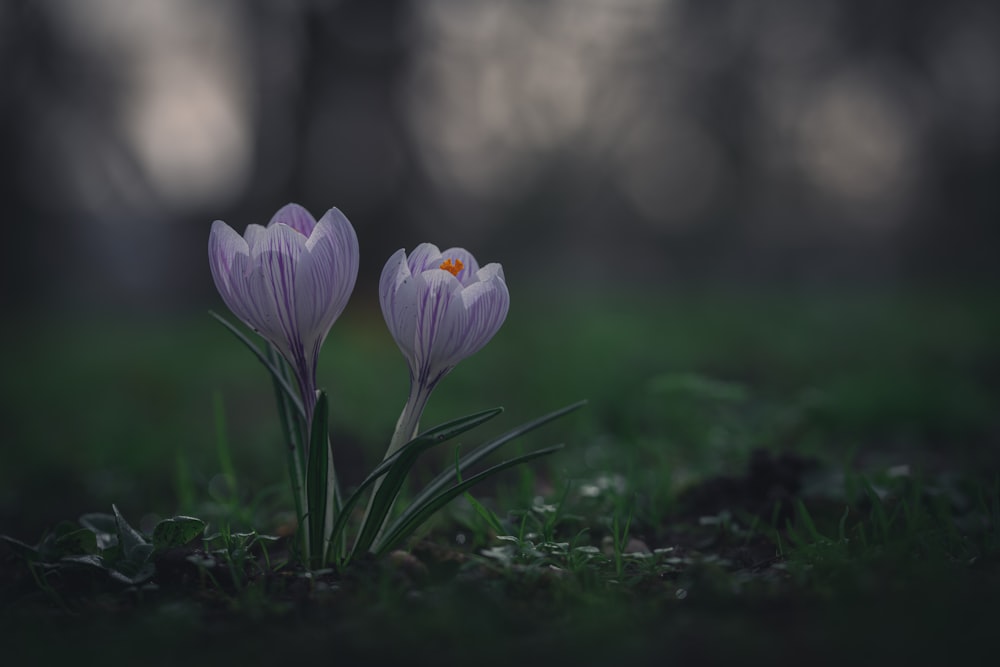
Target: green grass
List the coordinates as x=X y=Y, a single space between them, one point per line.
x=871 y=526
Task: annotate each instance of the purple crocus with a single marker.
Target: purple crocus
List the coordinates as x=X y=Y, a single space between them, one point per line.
x=288 y=281
x=440 y=308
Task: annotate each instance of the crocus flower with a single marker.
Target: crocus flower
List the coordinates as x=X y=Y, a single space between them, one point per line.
x=288 y=281
x=440 y=308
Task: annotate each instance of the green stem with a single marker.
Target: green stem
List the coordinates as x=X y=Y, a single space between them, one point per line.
x=291 y=417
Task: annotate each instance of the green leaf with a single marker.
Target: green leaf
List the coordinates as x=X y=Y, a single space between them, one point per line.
x=317 y=479
x=129 y=538
x=429 y=438
x=484 y=512
x=397 y=472
x=80 y=541
x=104 y=527
x=139 y=554
x=176 y=532
x=400 y=529
x=275 y=372
x=448 y=476
x=292 y=426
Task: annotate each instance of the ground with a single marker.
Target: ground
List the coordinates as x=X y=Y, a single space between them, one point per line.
x=756 y=478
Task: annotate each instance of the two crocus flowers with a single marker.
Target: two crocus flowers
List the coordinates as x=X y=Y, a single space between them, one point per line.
x=291 y=280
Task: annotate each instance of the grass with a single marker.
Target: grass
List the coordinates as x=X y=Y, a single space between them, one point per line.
x=756 y=476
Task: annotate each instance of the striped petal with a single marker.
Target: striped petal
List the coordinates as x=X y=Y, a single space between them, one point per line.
x=440 y=322
x=397 y=297
x=487 y=302
x=229 y=259
x=425 y=256
x=296 y=217
x=325 y=277
x=272 y=285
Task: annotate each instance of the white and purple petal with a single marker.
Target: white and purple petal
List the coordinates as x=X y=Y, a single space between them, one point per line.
x=325 y=276
x=228 y=259
x=440 y=321
x=296 y=217
x=424 y=257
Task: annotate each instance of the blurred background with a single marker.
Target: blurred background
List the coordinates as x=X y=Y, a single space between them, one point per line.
x=624 y=160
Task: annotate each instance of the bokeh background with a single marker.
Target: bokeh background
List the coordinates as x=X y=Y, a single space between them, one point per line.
x=765 y=192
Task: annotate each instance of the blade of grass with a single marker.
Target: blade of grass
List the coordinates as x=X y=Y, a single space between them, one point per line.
x=880 y=520
x=222 y=446
x=807 y=522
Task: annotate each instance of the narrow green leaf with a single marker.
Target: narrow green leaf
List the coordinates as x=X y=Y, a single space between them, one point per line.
x=401 y=529
x=393 y=481
x=484 y=512
x=447 y=476
x=176 y=532
x=317 y=479
x=129 y=538
x=292 y=425
x=272 y=369
x=429 y=438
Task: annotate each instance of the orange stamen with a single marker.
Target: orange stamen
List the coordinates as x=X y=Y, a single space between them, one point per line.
x=452 y=267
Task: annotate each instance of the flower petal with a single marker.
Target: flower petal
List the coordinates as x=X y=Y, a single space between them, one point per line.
x=425 y=256
x=440 y=321
x=272 y=285
x=253 y=235
x=397 y=299
x=325 y=277
x=487 y=303
x=228 y=259
x=296 y=217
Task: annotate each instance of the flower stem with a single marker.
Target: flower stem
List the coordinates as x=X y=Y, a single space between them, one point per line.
x=409 y=419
